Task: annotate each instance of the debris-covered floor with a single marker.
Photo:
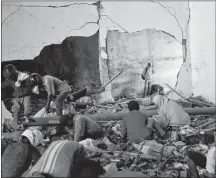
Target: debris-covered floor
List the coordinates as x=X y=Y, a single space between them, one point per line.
x=158 y=158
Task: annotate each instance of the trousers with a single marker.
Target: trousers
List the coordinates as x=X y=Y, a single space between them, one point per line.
x=19 y=103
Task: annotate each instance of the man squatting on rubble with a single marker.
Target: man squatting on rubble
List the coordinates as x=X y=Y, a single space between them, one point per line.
x=22 y=90
x=19 y=156
x=137 y=127
x=73 y=155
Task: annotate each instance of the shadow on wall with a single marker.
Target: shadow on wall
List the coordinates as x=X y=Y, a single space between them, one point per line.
x=76 y=59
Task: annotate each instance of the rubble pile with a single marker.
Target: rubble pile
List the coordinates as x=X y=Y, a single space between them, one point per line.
x=157 y=158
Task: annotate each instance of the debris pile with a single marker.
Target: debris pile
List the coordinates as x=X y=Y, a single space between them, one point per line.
x=154 y=158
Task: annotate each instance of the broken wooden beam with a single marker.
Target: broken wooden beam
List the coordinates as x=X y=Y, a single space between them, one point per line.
x=191 y=100
x=200 y=103
x=150 y=113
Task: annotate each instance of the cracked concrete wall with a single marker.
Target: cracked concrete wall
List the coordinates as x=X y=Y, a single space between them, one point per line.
x=29 y=26
x=62 y=36
x=171 y=17
x=202 y=35
x=131 y=52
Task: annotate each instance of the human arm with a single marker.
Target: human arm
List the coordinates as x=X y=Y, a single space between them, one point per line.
x=49 y=99
x=153 y=68
x=5 y=84
x=49 y=86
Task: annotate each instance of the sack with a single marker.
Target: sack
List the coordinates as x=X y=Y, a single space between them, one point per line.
x=41 y=113
x=142 y=77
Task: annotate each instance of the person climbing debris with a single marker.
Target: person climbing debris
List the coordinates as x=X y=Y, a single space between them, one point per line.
x=136 y=125
x=22 y=90
x=147 y=76
x=18 y=157
x=170 y=113
x=54 y=87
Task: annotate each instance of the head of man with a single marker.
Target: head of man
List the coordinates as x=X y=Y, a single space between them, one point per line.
x=149 y=65
x=10 y=72
x=87 y=168
x=36 y=79
x=133 y=105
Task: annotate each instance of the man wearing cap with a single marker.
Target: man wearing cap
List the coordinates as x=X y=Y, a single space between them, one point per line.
x=147 y=76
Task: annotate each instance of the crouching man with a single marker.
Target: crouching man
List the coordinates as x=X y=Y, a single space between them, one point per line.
x=58 y=159
x=19 y=156
x=84 y=128
x=53 y=86
x=197 y=159
x=136 y=125
x=65 y=158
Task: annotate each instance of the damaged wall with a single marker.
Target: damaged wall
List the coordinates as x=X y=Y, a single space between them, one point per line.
x=202 y=35
x=131 y=52
x=170 y=17
x=28 y=27
x=42 y=31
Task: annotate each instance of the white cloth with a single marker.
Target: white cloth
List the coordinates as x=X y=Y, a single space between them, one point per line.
x=21 y=76
x=210 y=164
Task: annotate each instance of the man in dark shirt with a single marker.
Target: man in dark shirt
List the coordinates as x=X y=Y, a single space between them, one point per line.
x=136 y=125
x=22 y=90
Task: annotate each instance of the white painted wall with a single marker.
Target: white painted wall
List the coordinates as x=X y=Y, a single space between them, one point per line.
x=126 y=16
x=29 y=26
x=202 y=36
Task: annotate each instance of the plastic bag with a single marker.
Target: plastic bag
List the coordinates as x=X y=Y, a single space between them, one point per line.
x=41 y=113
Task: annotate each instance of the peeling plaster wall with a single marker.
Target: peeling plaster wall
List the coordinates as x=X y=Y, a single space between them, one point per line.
x=171 y=17
x=202 y=35
x=131 y=52
x=29 y=26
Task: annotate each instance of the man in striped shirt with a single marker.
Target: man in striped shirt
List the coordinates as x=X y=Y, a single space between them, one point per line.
x=58 y=159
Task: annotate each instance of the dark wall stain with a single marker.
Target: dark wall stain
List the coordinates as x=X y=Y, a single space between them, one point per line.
x=76 y=59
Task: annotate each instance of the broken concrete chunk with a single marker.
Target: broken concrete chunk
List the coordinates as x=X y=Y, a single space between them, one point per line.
x=130 y=93
x=179 y=144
